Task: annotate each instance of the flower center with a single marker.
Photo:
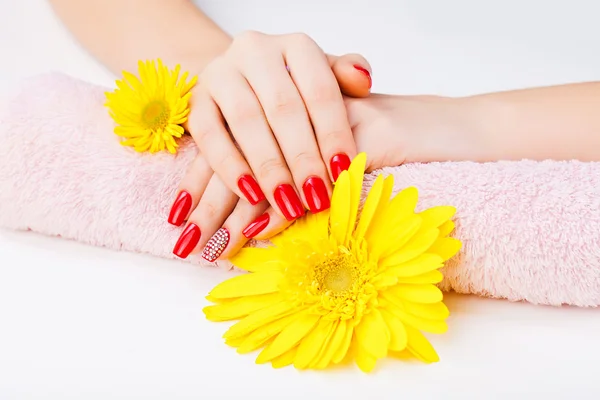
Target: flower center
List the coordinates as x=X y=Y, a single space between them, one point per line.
x=156 y=115
x=337 y=275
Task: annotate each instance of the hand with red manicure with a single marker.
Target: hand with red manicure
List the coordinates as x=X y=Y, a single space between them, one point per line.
x=271 y=123
x=269 y=117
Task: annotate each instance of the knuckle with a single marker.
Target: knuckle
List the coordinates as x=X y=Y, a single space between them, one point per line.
x=243 y=111
x=335 y=136
x=269 y=167
x=208 y=211
x=284 y=104
x=247 y=38
x=323 y=94
x=303 y=159
x=301 y=40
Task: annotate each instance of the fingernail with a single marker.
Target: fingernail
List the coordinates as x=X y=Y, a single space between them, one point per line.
x=187 y=241
x=339 y=162
x=366 y=73
x=216 y=245
x=180 y=209
x=255 y=227
x=288 y=202
x=315 y=192
x=249 y=187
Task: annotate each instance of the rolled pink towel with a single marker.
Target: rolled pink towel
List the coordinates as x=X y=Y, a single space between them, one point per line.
x=530 y=230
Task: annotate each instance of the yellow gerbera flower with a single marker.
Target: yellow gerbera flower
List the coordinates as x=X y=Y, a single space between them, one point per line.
x=337 y=286
x=150 y=111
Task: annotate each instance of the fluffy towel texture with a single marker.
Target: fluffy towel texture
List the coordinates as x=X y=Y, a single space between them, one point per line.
x=531 y=231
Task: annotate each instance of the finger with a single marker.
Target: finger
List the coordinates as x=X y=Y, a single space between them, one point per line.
x=208 y=129
x=190 y=190
x=353 y=74
x=321 y=94
x=287 y=117
x=275 y=224
x=234 y=229
x=244 y=114
x=216 y=204
x=246 y=223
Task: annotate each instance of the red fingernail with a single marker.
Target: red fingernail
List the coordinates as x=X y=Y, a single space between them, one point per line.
x=249 y=187
x=366 y=73
x=255 y=227
x=216 y=245
x=180 y=209
x=288 y=202
x=316 y=195
x=187 y=241
x=339 y=162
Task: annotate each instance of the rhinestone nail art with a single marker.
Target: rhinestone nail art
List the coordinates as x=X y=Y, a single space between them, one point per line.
x=216 y=245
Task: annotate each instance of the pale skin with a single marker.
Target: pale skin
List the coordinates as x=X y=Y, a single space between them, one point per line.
x=558 y=122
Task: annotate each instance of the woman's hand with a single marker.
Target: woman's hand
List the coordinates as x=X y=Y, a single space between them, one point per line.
x=269 y=118
x=218 y=223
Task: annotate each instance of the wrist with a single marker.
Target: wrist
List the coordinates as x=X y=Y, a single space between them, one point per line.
x=438 y=128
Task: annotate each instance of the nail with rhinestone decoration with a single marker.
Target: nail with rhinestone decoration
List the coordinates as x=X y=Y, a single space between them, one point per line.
x=215 y=246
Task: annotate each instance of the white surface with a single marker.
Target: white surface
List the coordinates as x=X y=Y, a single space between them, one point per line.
x=78 y=322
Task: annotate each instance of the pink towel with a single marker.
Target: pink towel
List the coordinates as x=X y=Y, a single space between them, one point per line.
x=531 y=230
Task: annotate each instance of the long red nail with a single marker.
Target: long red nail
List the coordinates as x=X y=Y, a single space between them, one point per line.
x=249 y=187
x=288 y=202
x=255 y=227
x=216 y=245
x=339 y=162
x=315 y=192
x=366 y=73
x=187 y=241
x=180 y=209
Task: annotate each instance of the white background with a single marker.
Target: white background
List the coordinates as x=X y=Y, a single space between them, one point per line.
x=78 y=322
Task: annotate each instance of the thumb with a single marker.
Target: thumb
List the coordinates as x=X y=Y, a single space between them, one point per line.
x=353 y=74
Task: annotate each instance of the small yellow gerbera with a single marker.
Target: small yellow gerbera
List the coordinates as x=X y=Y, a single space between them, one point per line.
x=150 y=111
x=337 y=286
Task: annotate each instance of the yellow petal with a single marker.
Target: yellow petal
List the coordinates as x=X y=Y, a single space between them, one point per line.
x=378 y=221
x=436 y=216
x=397 y=237
x=365 y=361
x=356 y=172
x=259 y=318
x=427 y=277
x=339 y=213
x=445 y=247
x=248 y=285
x=384 y=280
x=264 y=333
x=446 y=228
x=342 y=350
x=417 y=293
x=415 y=247
x=311 y=345
x=372 y=334
x=240 y=307
x=422 y=324
x=285 y=359
x=429 y=311
x=402 y=205
x=370 y=207
x=325 y=346
x=417 y=266
x=398 y=338
x=336 y=341
x=289 y=337
x=236 y=342
x=420 y=347
x=254 y=259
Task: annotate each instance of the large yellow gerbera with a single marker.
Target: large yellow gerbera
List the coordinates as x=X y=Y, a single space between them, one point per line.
x=337 y=286
x=150 y=111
